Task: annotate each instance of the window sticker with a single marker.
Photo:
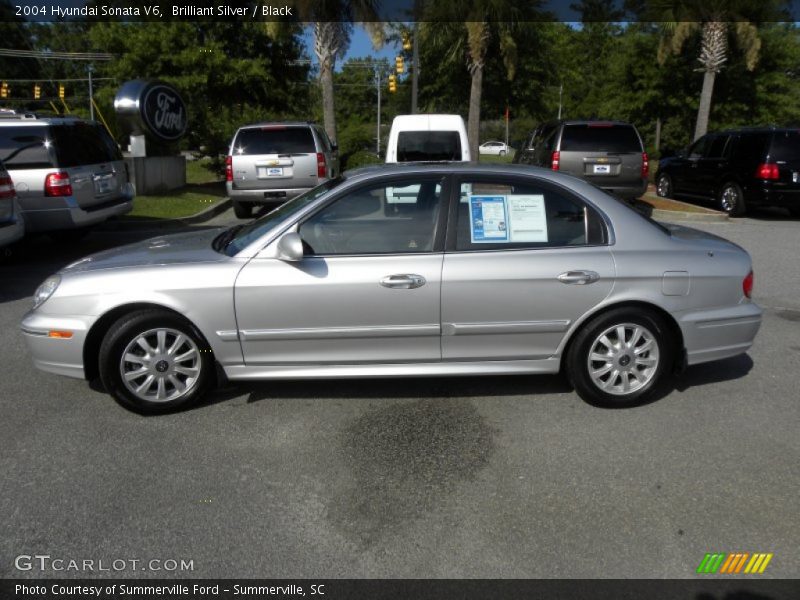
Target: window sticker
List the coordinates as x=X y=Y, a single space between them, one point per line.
x=526 y=218
x=488 y=220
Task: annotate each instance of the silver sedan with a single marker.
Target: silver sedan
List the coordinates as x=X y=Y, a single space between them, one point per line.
x=407 y=270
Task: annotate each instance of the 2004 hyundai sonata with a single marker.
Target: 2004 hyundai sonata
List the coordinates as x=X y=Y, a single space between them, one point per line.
x=408 y=270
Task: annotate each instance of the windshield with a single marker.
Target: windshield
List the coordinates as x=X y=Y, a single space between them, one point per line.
x=247 y=234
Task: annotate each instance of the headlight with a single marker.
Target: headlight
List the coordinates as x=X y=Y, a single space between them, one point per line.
x=44 y=291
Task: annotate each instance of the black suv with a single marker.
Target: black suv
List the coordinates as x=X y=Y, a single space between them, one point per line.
x=609 y=154
x=739 y=168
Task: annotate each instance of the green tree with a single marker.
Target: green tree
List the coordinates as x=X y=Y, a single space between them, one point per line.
x=714 y=21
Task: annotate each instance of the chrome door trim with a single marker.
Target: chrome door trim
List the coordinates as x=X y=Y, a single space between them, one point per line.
x=249 y=335
x=498 y=328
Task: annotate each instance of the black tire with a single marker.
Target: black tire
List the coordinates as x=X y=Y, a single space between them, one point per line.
x=243 y=210
x=578 y=363
x=664 y=186
x=794 y=211
x=731 y=199
x=122 y=334
x=67 y=236
x=502 y=152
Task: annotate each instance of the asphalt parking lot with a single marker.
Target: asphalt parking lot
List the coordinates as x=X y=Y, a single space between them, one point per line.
x=471 y=477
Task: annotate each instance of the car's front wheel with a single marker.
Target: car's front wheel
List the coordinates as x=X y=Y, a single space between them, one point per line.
x=153 y=361
x=664 y=186
x=242 y=210
x=620 y=358
x=502 y=152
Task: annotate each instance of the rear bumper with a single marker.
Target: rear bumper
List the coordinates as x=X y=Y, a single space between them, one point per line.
x=56 y=355
x=768 y=195
x=11 y=231
x=264 y=195
x=633 y=190
x=719 y=333
x=68 y=215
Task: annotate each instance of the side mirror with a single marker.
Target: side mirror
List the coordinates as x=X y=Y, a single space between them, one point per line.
x=290 y=247
x=682 y=153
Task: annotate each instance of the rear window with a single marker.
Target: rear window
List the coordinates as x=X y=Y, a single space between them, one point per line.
x=600 y=138
x=83 y=144
x=26 y=148
x=275 y=140
x=413 y=146
x=785 y=146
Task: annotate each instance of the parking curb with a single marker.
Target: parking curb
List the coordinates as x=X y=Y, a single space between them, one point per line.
x=201 y=217
x=707 y=215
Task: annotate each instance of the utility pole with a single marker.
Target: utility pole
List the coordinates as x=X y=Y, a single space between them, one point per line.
x=91 y=95
x=414 y=68
x=378 y=136
x=560 y=92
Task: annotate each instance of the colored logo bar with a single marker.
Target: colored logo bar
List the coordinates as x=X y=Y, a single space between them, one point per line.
x=734 y=562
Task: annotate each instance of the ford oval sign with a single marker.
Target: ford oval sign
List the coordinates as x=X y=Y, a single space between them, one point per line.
x=152 y=107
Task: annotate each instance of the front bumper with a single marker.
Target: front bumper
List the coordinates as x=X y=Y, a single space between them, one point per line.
x=63 y=356
x=719 y=333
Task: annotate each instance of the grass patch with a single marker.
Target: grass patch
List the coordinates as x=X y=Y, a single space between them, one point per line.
x=197 y=172
x=493 y=158
x=181 y=203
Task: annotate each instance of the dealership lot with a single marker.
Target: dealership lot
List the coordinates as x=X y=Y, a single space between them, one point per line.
x=472 y=477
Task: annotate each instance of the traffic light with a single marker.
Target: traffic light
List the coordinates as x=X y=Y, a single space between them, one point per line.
x=37 y=92
x=4 y=92
x=392 y=84
x=62 y=93
x=399 y=65
x=406 y=41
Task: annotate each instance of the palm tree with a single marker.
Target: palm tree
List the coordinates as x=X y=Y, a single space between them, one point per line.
x=485 y=18
x=714 y=20
x=333 y=26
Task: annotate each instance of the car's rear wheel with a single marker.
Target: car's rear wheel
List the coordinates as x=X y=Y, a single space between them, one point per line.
x=153 y=361
x=731 y=200
x=243 y=210
x=620 y=358
x=502 y=152
x=664 y=186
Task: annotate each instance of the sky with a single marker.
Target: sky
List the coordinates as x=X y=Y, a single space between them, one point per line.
x=360 y=46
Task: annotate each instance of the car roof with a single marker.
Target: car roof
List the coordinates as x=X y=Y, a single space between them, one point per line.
x=34 y=121
x=757 y=129
x=279 y=124
x=454 y=167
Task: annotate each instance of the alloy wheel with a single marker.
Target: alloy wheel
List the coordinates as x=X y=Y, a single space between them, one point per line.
x=623 y=359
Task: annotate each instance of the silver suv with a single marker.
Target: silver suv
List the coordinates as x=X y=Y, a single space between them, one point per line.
x=68 y=173
x=609 y=154
x=12 y=226
x=269 y=163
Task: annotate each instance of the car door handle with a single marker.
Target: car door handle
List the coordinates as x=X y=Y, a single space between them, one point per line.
x=578 y=277
x=403 y=282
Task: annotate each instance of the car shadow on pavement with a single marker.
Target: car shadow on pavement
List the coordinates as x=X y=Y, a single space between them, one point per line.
x=407 y=387
x=714 y=372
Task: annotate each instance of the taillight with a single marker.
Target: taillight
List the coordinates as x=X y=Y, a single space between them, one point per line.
x=768 y=171
x=6 y=187
x=57 y=184
x=228 y=168
x=747 y=284
x=645 y=165
x=555 y=160
x=322 y=170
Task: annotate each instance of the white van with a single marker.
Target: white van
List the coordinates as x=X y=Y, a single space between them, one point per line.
x=417 y=138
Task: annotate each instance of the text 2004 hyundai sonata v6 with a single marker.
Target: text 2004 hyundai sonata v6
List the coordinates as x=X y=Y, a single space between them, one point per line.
x=447 y=269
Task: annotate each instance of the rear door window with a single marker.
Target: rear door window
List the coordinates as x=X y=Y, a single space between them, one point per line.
x=414 y=146
x=717 y=147
x=26 y=148
x=600 y=138
x=785 y=146
x=275 y=140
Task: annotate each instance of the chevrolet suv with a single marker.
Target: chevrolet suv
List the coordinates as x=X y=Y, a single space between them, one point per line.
x=609 y=154
x=738 y=168
x=270 y=163
x=68 y=172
